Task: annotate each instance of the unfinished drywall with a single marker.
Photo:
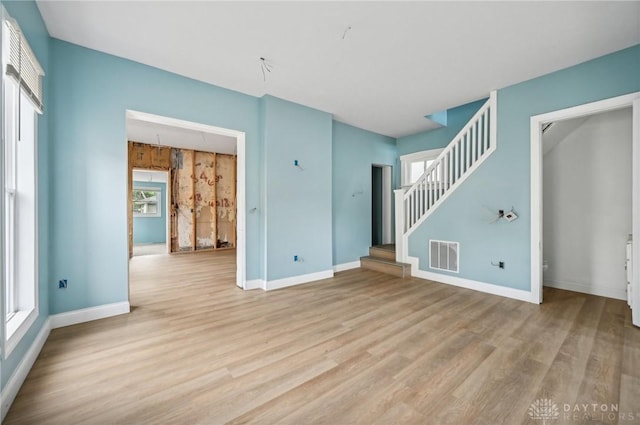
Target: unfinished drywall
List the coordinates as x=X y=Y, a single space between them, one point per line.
x=205 y=199
x=183 y=200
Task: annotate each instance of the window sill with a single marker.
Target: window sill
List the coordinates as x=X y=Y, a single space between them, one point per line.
x=17 y=327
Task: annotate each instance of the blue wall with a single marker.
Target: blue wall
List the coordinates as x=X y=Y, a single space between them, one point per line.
x=90 y=93
x=354 y=151
x=298 y=201
x=28 y=17
x=151 y=229
x=503 y=181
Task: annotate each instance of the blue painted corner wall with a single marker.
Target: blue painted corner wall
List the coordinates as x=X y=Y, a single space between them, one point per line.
x=151 y=229
x=503 y=181
x=354 y=152
x=298 y=198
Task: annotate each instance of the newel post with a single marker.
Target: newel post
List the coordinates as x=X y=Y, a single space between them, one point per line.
x=400 y=224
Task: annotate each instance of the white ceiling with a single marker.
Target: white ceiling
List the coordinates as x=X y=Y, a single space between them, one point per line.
x=399 y=61
x=177 y=137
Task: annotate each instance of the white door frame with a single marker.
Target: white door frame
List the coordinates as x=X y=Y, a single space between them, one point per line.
x=537 y=122
x=241 y=248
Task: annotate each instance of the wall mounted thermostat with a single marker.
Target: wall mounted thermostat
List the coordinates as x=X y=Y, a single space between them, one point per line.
x=510 y=216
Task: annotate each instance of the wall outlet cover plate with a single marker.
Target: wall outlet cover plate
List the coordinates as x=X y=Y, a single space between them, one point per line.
x=510 y=216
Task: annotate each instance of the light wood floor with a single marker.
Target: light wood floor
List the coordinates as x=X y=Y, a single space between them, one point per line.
x=362 y=347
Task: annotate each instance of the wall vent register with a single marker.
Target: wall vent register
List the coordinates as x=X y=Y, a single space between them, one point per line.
x=444 y=255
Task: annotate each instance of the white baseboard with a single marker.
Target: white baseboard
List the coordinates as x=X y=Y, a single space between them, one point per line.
x=489 y=288
x=346 y=266
x=88 y=314
x=297 y=280
x=16 y=380
x=601 y=291
x=254 y=284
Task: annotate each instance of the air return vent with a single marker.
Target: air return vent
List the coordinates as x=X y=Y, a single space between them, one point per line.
x=443 y=255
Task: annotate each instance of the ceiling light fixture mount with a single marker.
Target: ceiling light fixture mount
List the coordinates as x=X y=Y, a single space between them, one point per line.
x=344 y=34
x=265 y=67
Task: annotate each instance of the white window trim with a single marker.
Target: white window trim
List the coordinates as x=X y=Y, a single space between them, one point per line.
x=406 y=160
x=158 y=212
x=21 y=321
x=18 y=326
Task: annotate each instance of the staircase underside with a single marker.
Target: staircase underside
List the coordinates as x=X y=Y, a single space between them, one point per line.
x=382 y=258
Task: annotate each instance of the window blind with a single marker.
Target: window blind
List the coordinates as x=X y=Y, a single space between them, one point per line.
x=22 y=63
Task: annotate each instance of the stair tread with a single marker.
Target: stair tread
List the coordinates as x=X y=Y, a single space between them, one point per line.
x=384 y=260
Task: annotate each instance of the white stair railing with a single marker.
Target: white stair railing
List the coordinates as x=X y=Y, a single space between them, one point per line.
x=471 y=146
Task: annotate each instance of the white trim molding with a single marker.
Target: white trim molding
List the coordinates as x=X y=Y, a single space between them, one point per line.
x=599 y=290
x=22 y=322
x=635 y=202
x=88 y=314
x=488 y=288
x=16 y=380
x=254 y=284
x=297 y=280
x=346 y=266
x=536 y=181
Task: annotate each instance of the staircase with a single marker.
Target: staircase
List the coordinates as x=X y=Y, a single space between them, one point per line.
x=382 y=258
x=462 y=156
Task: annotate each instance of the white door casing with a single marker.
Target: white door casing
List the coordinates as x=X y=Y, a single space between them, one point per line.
x=537 y=121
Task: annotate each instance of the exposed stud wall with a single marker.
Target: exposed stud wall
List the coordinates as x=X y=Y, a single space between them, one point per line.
x=205 y=198
x=226 y=200
x=202 y=195
x=183 y=198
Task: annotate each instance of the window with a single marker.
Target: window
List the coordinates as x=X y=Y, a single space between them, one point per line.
x=415 y=164
x=22 y=102
x=147 y=202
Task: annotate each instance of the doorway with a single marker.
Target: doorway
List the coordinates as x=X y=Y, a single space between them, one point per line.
x=381 y=189
x=151 y=212
x=164 y=141
x=586 y=198
x=538 y=124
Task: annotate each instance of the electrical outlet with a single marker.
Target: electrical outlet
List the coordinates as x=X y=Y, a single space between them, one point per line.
x=62 y=284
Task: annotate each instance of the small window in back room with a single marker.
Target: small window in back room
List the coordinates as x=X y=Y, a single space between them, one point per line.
x=444 y=255
x=147 y=202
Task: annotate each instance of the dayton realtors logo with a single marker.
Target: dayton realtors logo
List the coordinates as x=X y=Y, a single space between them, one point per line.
x=547 y=410
x=544 y=409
